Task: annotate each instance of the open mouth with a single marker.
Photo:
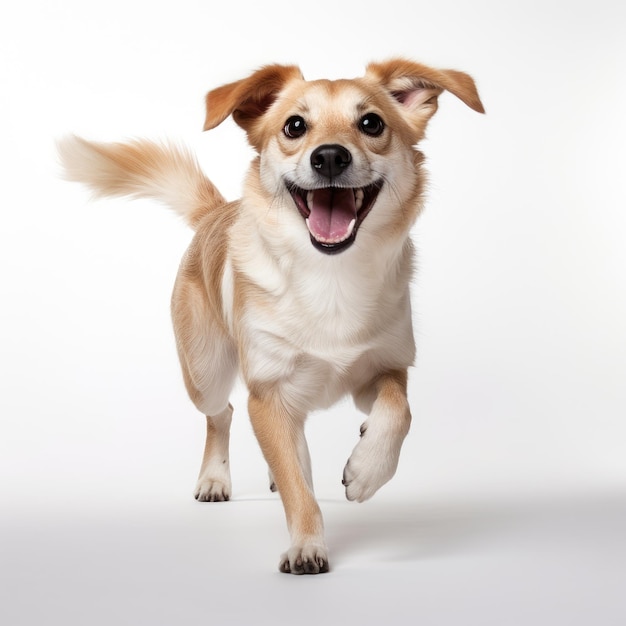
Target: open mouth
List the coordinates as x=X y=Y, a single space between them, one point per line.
x=333 y=214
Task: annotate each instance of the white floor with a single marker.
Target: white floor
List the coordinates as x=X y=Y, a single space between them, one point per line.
x=440 y=562
x=555 y=557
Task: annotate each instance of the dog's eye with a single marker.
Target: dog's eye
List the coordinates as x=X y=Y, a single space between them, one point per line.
x=295 y=127
x=372 y=124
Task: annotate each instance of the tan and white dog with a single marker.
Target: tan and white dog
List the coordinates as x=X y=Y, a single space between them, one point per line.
x=302 y=286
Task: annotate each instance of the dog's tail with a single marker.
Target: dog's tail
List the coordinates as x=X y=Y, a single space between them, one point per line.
x=142 y=169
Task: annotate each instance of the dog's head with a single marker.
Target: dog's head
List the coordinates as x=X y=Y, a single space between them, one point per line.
x=340 y=153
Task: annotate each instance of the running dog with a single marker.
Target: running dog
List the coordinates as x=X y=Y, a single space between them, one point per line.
x=301 y=287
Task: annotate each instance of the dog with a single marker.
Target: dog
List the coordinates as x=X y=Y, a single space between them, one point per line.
x=301 y=287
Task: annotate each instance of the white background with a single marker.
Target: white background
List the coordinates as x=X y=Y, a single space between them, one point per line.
x=509 y=506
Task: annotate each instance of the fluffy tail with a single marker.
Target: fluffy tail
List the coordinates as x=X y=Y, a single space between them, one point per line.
x=142 y=169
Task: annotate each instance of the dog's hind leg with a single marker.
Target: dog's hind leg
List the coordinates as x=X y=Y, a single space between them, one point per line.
x=214 y=480
x=209 y=379
x=209 y=364
x=213 y=483
x=209 y=390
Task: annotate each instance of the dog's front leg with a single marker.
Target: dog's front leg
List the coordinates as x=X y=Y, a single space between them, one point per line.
x=305 y=464
x=375 y=458
x=280 y=433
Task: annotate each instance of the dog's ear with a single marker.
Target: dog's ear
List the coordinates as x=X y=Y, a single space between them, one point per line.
x=247 y=99
x=417 y=86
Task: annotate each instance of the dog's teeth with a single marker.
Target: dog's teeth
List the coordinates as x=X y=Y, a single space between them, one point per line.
x=309 y=199
x=358 y=198
x=350 y=228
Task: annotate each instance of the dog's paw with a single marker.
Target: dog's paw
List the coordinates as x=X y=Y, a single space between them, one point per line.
x=373 y=463
x=208 y=490
x=304 y=559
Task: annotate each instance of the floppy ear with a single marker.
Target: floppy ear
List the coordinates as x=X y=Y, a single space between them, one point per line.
x=249 y=98
x=417 y=86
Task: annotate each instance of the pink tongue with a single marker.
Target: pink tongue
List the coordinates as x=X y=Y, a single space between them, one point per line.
x=332 y=211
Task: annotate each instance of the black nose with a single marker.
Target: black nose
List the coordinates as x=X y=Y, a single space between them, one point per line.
x=330 y=160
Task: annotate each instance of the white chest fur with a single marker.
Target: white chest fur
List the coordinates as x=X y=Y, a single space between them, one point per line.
x=320 y=323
